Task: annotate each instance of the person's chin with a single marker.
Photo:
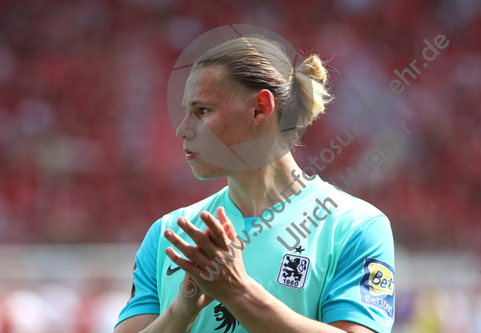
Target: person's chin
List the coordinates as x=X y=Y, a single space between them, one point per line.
x=205 y=171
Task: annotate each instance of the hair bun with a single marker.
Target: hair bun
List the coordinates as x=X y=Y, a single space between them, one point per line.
x=310 y=92
x=313 y=67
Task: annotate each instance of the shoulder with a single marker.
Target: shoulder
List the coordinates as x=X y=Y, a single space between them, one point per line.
x=353 y=210
x=347 y=216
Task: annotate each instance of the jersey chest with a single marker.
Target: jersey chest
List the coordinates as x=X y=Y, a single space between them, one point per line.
x=296 y=277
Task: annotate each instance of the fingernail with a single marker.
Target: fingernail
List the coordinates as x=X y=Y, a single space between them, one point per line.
x=168 y=233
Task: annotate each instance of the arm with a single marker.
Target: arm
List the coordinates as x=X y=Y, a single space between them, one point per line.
x=173 y=320
x=141 y=312
x=363 y=287
x=255 y=308
x=143 y=305
x=181 y=314
x=135 y=324
x=258 y=311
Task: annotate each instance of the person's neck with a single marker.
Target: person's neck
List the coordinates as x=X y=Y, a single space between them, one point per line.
x=252 y=191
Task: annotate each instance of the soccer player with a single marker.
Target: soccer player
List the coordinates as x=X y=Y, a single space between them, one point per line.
x=276 y=250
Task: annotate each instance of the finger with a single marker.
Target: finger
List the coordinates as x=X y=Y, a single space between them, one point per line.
x=226 y=226
x=216 y=229
x=231 y=233
x=204 y=243
x=187 y=265
x=189 y=251
x=208 y=233
x=225 y=221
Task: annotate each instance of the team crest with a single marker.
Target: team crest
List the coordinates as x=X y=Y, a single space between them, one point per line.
x=293 y=271
x=377 y=285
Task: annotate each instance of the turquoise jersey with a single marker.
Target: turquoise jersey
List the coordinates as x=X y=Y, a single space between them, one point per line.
x=327 y=255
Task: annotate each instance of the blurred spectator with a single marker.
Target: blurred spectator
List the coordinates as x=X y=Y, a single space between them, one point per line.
x=88 y=153
x=64 y=304
x=27 y=312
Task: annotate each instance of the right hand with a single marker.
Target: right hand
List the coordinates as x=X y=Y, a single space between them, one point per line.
x=191 y=299
x=191 y=304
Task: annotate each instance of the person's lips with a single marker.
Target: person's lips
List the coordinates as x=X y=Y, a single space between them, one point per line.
x=188 y=154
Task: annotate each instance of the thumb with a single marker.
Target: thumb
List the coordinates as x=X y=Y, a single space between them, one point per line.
x=226 y=224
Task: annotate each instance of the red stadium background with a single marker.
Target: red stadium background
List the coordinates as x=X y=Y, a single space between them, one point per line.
x=89 y=158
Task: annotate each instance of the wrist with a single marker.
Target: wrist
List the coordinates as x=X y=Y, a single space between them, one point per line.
x=181 y=311
x=249 y=291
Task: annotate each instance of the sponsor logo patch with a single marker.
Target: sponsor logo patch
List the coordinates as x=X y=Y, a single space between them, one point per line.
x=377 y=285
x=293 y=271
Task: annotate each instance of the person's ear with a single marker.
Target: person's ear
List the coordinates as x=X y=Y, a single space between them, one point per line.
x=264 y=106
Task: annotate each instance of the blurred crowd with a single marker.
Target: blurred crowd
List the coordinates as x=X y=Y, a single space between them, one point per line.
x=59 y=308
x=88 y=152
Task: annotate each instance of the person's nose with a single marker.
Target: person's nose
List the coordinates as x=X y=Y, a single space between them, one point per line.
x=185 y=129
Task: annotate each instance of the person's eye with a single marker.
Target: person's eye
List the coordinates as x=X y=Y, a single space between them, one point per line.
x=203 y=111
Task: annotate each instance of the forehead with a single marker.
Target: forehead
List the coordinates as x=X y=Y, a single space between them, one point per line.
x=210 y=85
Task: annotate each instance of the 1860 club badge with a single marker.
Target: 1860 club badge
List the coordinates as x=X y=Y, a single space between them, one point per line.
x=293 y=271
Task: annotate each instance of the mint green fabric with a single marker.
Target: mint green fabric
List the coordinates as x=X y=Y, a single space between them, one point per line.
x=343 y=269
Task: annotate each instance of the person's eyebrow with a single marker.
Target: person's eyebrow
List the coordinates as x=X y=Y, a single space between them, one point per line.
x=195 y=103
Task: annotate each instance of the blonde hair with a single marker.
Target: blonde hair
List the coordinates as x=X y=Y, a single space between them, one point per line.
x=257 y=63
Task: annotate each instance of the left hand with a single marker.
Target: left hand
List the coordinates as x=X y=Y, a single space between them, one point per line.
x=232 y=278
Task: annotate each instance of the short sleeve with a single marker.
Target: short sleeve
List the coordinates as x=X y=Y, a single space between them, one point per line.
x=362 y=289
x=144 y=297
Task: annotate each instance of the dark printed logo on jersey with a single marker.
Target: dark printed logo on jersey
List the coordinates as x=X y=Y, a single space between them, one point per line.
x=299 y=249
x=132 y=292
x=293 y=271
x=228 y=320
x=377 y=285
x=171 y=270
